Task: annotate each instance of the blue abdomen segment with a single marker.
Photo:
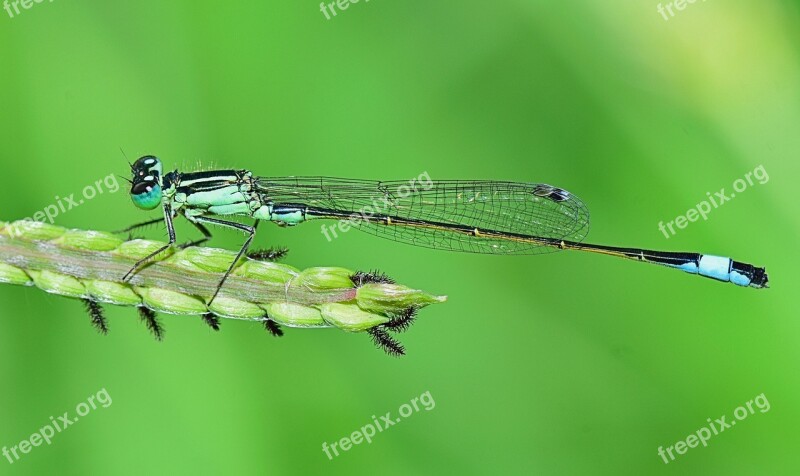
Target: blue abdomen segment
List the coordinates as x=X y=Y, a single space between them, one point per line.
x=716 y=267
x=726 y=269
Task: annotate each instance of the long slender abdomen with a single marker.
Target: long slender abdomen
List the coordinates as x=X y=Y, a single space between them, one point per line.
x=709 y=266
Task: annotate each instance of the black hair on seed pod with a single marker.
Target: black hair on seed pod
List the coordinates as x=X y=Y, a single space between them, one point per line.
x=273 y=327
x=211 y=319
x=96 y=313
x=382 y=339
x=402 y=321
x=361 y=278
x=148 y=316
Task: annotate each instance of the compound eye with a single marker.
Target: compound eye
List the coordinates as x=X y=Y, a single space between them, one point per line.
x=143 y=188
x=146 y=195
x=147 y=165
x=146 y=162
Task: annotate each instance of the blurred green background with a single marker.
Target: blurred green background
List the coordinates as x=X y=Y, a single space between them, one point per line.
x=566 y=363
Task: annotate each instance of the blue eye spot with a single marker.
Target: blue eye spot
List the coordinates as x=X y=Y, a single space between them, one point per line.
x=146 y=196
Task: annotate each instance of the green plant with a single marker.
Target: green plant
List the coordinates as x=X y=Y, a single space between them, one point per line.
x=89 y=265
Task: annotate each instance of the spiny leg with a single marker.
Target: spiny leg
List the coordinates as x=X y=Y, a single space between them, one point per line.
x=170 y=229
x=382 y=339
x=148 y=316
x=139 y=225
x=212 y=320
x=96 y=313
x=206 y=236
x=206 y=233
x=251 y=230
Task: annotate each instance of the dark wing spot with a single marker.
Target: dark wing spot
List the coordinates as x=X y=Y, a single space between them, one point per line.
x=553 y=193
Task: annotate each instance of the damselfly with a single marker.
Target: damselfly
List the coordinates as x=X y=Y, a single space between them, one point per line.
x=505 y=218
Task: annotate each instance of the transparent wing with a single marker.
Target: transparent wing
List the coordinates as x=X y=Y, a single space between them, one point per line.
x=537 y=210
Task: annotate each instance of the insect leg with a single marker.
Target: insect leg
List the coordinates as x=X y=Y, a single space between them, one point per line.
x=170 y=229
x=250 y=230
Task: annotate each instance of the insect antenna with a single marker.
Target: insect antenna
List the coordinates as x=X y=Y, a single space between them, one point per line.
x=126 y=158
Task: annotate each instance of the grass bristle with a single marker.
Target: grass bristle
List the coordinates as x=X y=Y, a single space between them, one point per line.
x=269 y=254
x=211 y=319
x=96 y=313
x=273 y=328
x=382 y=339
x=360 y=278
x=148 y=316
x=403 y=321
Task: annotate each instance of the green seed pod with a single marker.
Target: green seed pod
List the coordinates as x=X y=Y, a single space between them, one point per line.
x=387 y=298
x=33 y=230
x=171 y=302
x=235 y=308
x=350 y=317
x=56 y=283
x=294 y=315
x=13 y=275
x=88 y=240
x=112 y=293
x=276 y=273
x=210 y=260
x=138 y=249
x=319 y=279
